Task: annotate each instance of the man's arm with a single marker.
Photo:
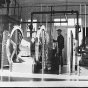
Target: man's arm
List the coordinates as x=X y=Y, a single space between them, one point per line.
x=54 y=40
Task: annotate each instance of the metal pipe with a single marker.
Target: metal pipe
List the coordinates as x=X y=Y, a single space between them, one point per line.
x=7 y=8
x=38 y=22
x=66 y=5
x=42 y=51
x=46 y=6
x=77 y=28
x=18 y=10
x=80 y=17
x=77 y=41
x=42 y=45
x=41 y=15
x=85 y=21
x=49 y=12
x=78 y=45
x=51 y=20
x=54 y=12
x=46 y=20
x=14 y=7
x=80 y=8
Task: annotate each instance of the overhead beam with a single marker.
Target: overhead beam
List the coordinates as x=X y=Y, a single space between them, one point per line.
x=54 y=12
x=47 y=22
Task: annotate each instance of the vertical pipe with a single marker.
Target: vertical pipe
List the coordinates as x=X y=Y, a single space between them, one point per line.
x=78 y=40
x=7 y=8
x=51 y=20
x=77 y=27
x=66 y=10
x=81 y=13
x=81 y=19
x=18 y=9
x=1 y=55
x=85 y=23
x=45 y=61
x=31 y=25
x=2 y=52
x=46 y=20
x=14 y=7
x=42 y=51
x=69 y=58
x=41 y=16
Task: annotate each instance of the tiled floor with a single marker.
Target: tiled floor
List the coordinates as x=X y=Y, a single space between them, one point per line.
x=49 y=79
x=7 y=76
x=42 y=80
x=63 y=71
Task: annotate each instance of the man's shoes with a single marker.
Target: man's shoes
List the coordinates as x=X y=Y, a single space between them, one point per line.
x=57 y=73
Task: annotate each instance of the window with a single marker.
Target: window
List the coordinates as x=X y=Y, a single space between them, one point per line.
x=56 y=24
x=80 y=22
x=34 y=25
x=34 y=28
x=71 y=22
x=63 y=24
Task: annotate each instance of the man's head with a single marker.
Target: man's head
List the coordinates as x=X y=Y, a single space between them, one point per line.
x=59 y=31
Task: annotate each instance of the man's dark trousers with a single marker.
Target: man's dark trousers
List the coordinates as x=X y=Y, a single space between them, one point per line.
x=60 y=57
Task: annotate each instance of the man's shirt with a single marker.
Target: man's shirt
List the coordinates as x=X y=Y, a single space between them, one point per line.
x=60 y=40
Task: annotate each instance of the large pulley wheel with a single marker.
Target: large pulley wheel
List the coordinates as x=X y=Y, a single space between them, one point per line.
x=13 y=43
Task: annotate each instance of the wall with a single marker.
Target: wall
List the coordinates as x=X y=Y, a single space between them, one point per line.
x=26 y=12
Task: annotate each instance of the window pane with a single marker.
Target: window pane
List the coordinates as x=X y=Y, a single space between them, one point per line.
x=63 y=24
x=34 y=25
x=71 y=22
x=56 y=24
x=79 y=21
x=33 y=20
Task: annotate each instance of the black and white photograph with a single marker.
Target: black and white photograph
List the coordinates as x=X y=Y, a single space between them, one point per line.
x=43 y=43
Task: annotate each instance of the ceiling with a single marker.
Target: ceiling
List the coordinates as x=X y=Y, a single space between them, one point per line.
x=30 y=2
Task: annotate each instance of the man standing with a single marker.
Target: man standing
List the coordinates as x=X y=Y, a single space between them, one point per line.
x=60 y=41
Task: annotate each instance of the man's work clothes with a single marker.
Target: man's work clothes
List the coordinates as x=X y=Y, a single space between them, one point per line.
x=60 y=41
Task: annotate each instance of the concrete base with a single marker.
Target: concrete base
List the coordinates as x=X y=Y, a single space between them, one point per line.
x=22 y=67
x=84 y=71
